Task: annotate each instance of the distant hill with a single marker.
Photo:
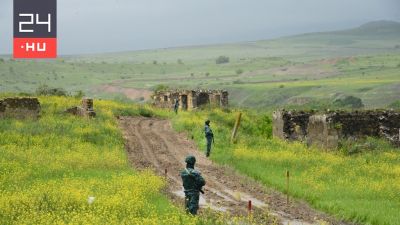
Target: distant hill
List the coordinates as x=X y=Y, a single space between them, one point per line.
x=311 y=69
x=382 y=28
x=370 y=38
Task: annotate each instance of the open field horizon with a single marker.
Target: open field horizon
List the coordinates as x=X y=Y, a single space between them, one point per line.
x=308 y=69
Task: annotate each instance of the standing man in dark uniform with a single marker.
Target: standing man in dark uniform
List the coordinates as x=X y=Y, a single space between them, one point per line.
x=209 y=137
x=193 y=182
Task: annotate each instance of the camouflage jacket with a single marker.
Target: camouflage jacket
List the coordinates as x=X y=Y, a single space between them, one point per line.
x=208 y=132
x=192 y=180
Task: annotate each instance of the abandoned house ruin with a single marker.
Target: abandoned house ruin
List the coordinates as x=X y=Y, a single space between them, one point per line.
x=325 y=130
x=19 y=108
x=191 y=99
x=85 y=110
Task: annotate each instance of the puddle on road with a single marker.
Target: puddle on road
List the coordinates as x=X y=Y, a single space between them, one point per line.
x=244 y=197
x=211 y=203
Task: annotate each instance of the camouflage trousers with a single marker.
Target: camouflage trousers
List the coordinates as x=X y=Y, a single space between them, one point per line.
x=192 y=202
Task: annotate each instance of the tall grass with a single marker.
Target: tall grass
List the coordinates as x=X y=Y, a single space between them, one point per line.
x=360 y=186
x=51 y=166
x=51 y=169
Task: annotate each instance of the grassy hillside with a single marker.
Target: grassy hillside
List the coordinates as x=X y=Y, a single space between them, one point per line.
x=313 y=69
x=51 y=166
x=360 y=187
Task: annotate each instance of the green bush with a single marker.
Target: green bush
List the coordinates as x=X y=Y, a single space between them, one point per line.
x=145 y=112
x=239 y=71
x=161 y=87
x=79 y=94
x=44 y=90
x=222 y=59
x=349 y=101
x=395 y=105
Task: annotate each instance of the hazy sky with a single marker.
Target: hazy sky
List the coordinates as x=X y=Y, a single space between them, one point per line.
x=92 y=26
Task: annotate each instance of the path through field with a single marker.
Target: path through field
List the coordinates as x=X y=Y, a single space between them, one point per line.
x=152 y=143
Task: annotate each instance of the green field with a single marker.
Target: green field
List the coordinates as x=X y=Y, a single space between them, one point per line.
x=51 y=166
x=362 y=187
x=310 y=69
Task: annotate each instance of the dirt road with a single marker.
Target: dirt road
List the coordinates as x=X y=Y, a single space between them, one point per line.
x=152 y=143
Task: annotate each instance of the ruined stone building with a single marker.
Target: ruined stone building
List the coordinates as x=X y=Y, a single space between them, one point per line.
x=85 y=110
x=325 y=130
x=19 y=108
x=191 y=99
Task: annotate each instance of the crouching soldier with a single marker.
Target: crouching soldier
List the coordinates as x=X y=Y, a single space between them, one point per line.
x=193 y=183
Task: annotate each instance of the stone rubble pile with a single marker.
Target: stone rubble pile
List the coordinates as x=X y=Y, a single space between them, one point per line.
x=85 y=110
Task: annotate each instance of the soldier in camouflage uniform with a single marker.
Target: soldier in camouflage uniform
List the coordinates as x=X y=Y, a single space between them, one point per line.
x=192 y=183
x=209 y=137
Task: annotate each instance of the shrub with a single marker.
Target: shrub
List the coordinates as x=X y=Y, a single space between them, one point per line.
x=79 y=94
x=239 y=71
x=264 y=126
x=349 y=101
x=161 y=87
x=395 y=105
x=145 y=112
x=222 y=59
x=45 y=90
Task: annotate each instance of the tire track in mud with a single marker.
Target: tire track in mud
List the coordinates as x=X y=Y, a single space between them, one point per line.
x=151 y=143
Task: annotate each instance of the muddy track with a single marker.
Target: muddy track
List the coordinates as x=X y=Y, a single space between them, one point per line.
x=151 y=143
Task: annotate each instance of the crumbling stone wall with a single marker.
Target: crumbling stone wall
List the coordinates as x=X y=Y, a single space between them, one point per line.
x=191 y=99
x=290 y=125
x=19 y=108
x=325 y=130
x=322 y=133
